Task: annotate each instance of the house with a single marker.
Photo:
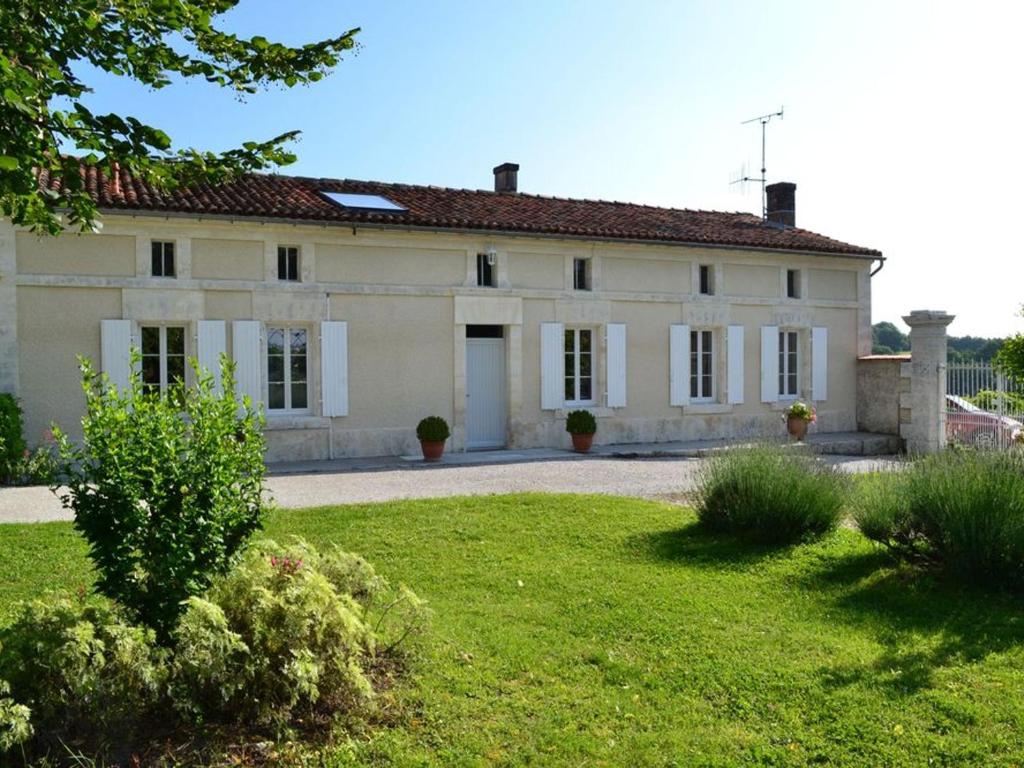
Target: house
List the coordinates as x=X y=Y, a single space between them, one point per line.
x=353 y=309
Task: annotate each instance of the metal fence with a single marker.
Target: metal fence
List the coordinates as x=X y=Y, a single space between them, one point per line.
x=984 y=408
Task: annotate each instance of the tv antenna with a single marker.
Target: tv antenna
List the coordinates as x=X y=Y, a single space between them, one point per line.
x=763 y=120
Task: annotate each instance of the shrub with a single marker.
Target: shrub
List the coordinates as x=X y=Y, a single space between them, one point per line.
x=166 y=490
x=12 y=441
x=580 y=423
x=15 y=724
x=770 y=494
x=433 y=429
x=288 y=635
x=80 y=669
x=963 y=510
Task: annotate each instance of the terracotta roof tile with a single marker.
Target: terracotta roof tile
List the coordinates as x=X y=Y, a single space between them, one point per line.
x=298 y=198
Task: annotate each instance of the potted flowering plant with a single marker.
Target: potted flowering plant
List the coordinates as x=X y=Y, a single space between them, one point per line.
x=581 y=425
x=798 y=417
x=432 y=433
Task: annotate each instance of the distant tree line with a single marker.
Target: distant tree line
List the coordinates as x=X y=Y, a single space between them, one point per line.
x=887 y=339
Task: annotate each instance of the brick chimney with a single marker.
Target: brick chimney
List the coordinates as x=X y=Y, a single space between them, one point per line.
x=505 y=177
x=781 y=203
x=115 y=179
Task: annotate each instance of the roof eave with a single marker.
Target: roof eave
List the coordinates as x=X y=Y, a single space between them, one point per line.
x=341 y=224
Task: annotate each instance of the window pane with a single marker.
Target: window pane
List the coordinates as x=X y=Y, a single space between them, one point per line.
x=275 y=399
x=585 y=365
x=298 y=342
x=693 y=385
x=585 y=392
x=584 y=341
x=169 y=263
x=792 y=384
x=570 y=343
x=275 y=341
x=299 y=395
x=570 y=388
x=175 y=341
x=151 y=369
x=298 y=366
x=706 y=385
x=151 y=341
x=282 y=264
x=275 y=368
x=175 y=368
x=157 y=262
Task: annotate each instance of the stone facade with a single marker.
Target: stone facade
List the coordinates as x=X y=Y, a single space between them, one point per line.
x=408 y=299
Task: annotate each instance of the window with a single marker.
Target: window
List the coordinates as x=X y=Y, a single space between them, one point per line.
x=789 y=363
x=581 y=274
x=163 y=258
x=163 y=357
x=707 y=280
x=793 y=283
x=485 y=269
x=702 y=366
x=287 y=262
x=579 y=366
x=287 y=386
x=361 y=202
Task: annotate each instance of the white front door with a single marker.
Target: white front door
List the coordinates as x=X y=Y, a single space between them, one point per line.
x=486 y=403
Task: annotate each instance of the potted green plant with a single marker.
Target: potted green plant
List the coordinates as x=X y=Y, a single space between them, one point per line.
x=581 y=425
x=432 y=432
x=798 y=417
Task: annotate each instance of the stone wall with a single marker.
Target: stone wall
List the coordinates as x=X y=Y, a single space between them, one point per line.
x=883 y=393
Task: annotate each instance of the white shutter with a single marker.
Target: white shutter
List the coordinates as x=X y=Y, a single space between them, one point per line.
x=334 y=367
x=819 y=364
x=769 y=363
x=734 y=372
x=115 y=352
x=552 y=366
x=245 y=344
x=616 y=351
x=211 y=344
x=679 y=365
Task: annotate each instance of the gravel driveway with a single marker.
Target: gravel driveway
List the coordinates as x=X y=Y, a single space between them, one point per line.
x=649 y=478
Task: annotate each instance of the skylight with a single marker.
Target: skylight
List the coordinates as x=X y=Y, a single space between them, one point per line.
x=363 y=202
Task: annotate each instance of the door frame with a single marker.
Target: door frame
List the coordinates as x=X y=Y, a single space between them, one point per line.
x=503 y=403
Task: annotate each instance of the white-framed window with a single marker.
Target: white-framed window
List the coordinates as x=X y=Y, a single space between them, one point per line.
x=581 y=275
x=789 y=364
x=287 y=369
x=702 y=366
x=162 y=258
x=706 y=278
x=485 y=270
x=287 y=262
x=163 y=357
x=792 y=283
x=579 y=366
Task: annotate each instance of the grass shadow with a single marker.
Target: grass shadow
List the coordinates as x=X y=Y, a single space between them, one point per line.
x=924 y=620
x=694 y=545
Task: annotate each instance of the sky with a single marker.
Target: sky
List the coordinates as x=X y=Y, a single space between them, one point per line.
x=902 y=121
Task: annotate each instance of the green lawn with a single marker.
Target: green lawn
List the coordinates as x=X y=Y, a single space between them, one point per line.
x=574 y=630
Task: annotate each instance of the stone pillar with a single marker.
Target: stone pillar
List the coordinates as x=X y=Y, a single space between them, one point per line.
x=926 y=432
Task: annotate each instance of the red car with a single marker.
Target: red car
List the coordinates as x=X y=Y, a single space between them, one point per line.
x=967 y=423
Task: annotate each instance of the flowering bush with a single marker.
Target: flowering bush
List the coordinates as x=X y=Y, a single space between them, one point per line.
x=80 y=669
x=166 y=490
x=801 y=410
x=290 y=635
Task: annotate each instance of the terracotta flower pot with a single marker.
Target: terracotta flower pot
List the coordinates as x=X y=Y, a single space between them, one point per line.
x=797 y=427
x=582 y=443
x=432 y=449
